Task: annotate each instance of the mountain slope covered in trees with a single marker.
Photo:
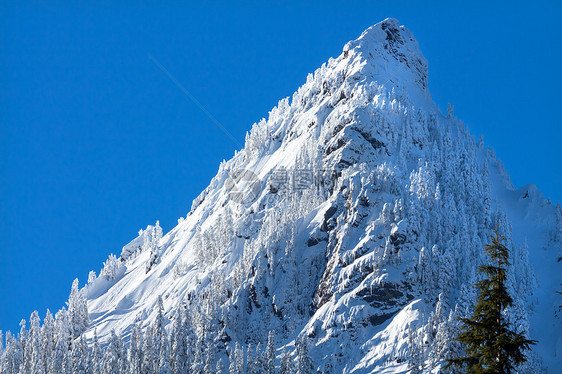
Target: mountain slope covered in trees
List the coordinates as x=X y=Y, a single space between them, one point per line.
x=344 y=237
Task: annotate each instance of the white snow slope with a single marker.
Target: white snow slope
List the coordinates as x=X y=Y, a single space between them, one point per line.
x=364 y=232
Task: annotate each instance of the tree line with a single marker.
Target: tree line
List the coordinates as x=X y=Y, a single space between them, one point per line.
x=59 y=346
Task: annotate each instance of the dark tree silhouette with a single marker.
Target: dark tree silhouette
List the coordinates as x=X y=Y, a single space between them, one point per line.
x=491 y=346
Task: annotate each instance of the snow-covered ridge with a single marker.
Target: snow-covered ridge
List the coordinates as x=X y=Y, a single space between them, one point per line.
x=363 y=234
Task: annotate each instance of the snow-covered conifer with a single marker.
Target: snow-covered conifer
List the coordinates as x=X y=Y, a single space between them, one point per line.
x=114 y=358
x=63 y=328
x=62 y=362
x=135 y=354
x=305 y=365
x=415 y=347
x=91 y=277
x=160 y=337
x=34 y=346
x=48 y=342
x=179 y=343
x=80 y=356
x=96 y=356
x=287 y=365
x=220 y=369
x=236 y=359
x=23 y=339
x=77 y=310
x=12 y=357
x=150 y=355
x=270 y=353
x=250 y=360
x=210 y=363
x=260 y=363
x=110 y=268
x=151 y=242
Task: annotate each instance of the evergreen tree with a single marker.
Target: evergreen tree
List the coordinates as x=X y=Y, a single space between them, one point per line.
x=179 y=357
x=415 y=361
x=114 y=356
x=77 y=310
x=48 y=344
x=220 y=367
x=91 y=278
x=250 y=360
x=259 y=366
x=490 y=344
x=110 y=268
x=12 y=358
x=178 y=349
x=80 y=357
x=151 y=241
x=37 y=364
x=287 y=366
x=191 y=339
x=270 y=353
x=236 y=358
x=62 y=328
x=150 y=356
x=23 y=338
x=61 y=361
x=96 y=355
x=305 y=365
x=198 y=362
x=160 y=338
x=210 y=364
x=135 y=349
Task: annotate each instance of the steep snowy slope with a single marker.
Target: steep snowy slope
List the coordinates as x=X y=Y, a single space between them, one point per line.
x=355 y=215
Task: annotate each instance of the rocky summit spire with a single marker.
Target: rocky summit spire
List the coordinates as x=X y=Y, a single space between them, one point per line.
x=392 y=53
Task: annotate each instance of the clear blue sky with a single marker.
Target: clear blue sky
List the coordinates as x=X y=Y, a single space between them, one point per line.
x=96 y=142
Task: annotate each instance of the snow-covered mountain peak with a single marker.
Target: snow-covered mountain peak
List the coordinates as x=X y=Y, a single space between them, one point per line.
x=362 y=228
x=392 y=52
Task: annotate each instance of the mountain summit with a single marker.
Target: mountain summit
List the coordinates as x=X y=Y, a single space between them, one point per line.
x=349 y=228
x=390 y=49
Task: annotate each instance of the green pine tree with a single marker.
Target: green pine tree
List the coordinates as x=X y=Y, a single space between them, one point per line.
x=490 y=344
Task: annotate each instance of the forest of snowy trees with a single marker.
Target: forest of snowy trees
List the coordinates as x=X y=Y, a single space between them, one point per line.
x=181 y=341
x=59 y=346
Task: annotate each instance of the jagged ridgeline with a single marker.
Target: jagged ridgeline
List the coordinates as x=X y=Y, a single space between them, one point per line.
x=344 y=238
